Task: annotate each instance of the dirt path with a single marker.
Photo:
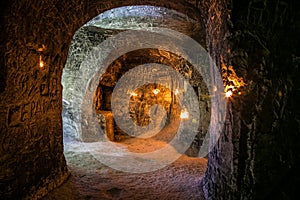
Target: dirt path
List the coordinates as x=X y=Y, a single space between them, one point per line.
x=92 y=180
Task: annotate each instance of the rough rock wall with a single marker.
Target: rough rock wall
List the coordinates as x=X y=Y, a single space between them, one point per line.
x=220 y=180
x=84 y=40
x=31 y=152
x=257 y=157
x=31 y=148
x=266 y=48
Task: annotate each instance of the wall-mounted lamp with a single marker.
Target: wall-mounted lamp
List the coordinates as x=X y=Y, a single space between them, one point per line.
x=156 y=91
x=41 y=63
x=40 y=51
x=133 y=94
x=228 y=93
x=184 y=114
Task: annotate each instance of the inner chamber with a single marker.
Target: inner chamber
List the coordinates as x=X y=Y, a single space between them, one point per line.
x=144 y=98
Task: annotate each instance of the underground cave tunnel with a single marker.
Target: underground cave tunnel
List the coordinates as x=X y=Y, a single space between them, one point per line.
x=253 y=44
x=155 y=103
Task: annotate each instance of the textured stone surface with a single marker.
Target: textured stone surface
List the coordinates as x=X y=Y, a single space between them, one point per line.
x=74 y=81
x=256 y=157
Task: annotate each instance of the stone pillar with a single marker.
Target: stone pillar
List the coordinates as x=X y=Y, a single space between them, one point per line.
x=109 y=124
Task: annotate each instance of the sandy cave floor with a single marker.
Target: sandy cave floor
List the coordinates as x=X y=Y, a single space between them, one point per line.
x=92 y=180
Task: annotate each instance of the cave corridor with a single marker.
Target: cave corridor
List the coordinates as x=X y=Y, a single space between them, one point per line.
x=129 y=99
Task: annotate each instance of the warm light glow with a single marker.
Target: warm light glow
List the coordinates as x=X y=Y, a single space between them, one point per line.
x=228 y=93
x=215 y=88
x=42 y=48
x=184 y=114
x=176 y=92
x=133 y=94
x=156 y=91
x=42 y=63
x=231 y=81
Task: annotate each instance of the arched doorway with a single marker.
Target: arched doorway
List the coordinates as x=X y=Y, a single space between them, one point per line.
x=78 y=76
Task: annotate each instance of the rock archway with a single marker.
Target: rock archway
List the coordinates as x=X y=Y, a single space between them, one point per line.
x=76 y=74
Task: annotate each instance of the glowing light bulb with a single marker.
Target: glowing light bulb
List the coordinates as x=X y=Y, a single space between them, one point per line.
x=228 y=94
x=42 y=63
x=176 y=92
x=184 y=114
x=156 y=91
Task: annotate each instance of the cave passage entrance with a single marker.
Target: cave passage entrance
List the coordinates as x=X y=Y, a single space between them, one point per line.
x=77 y=78
x=95 y=32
